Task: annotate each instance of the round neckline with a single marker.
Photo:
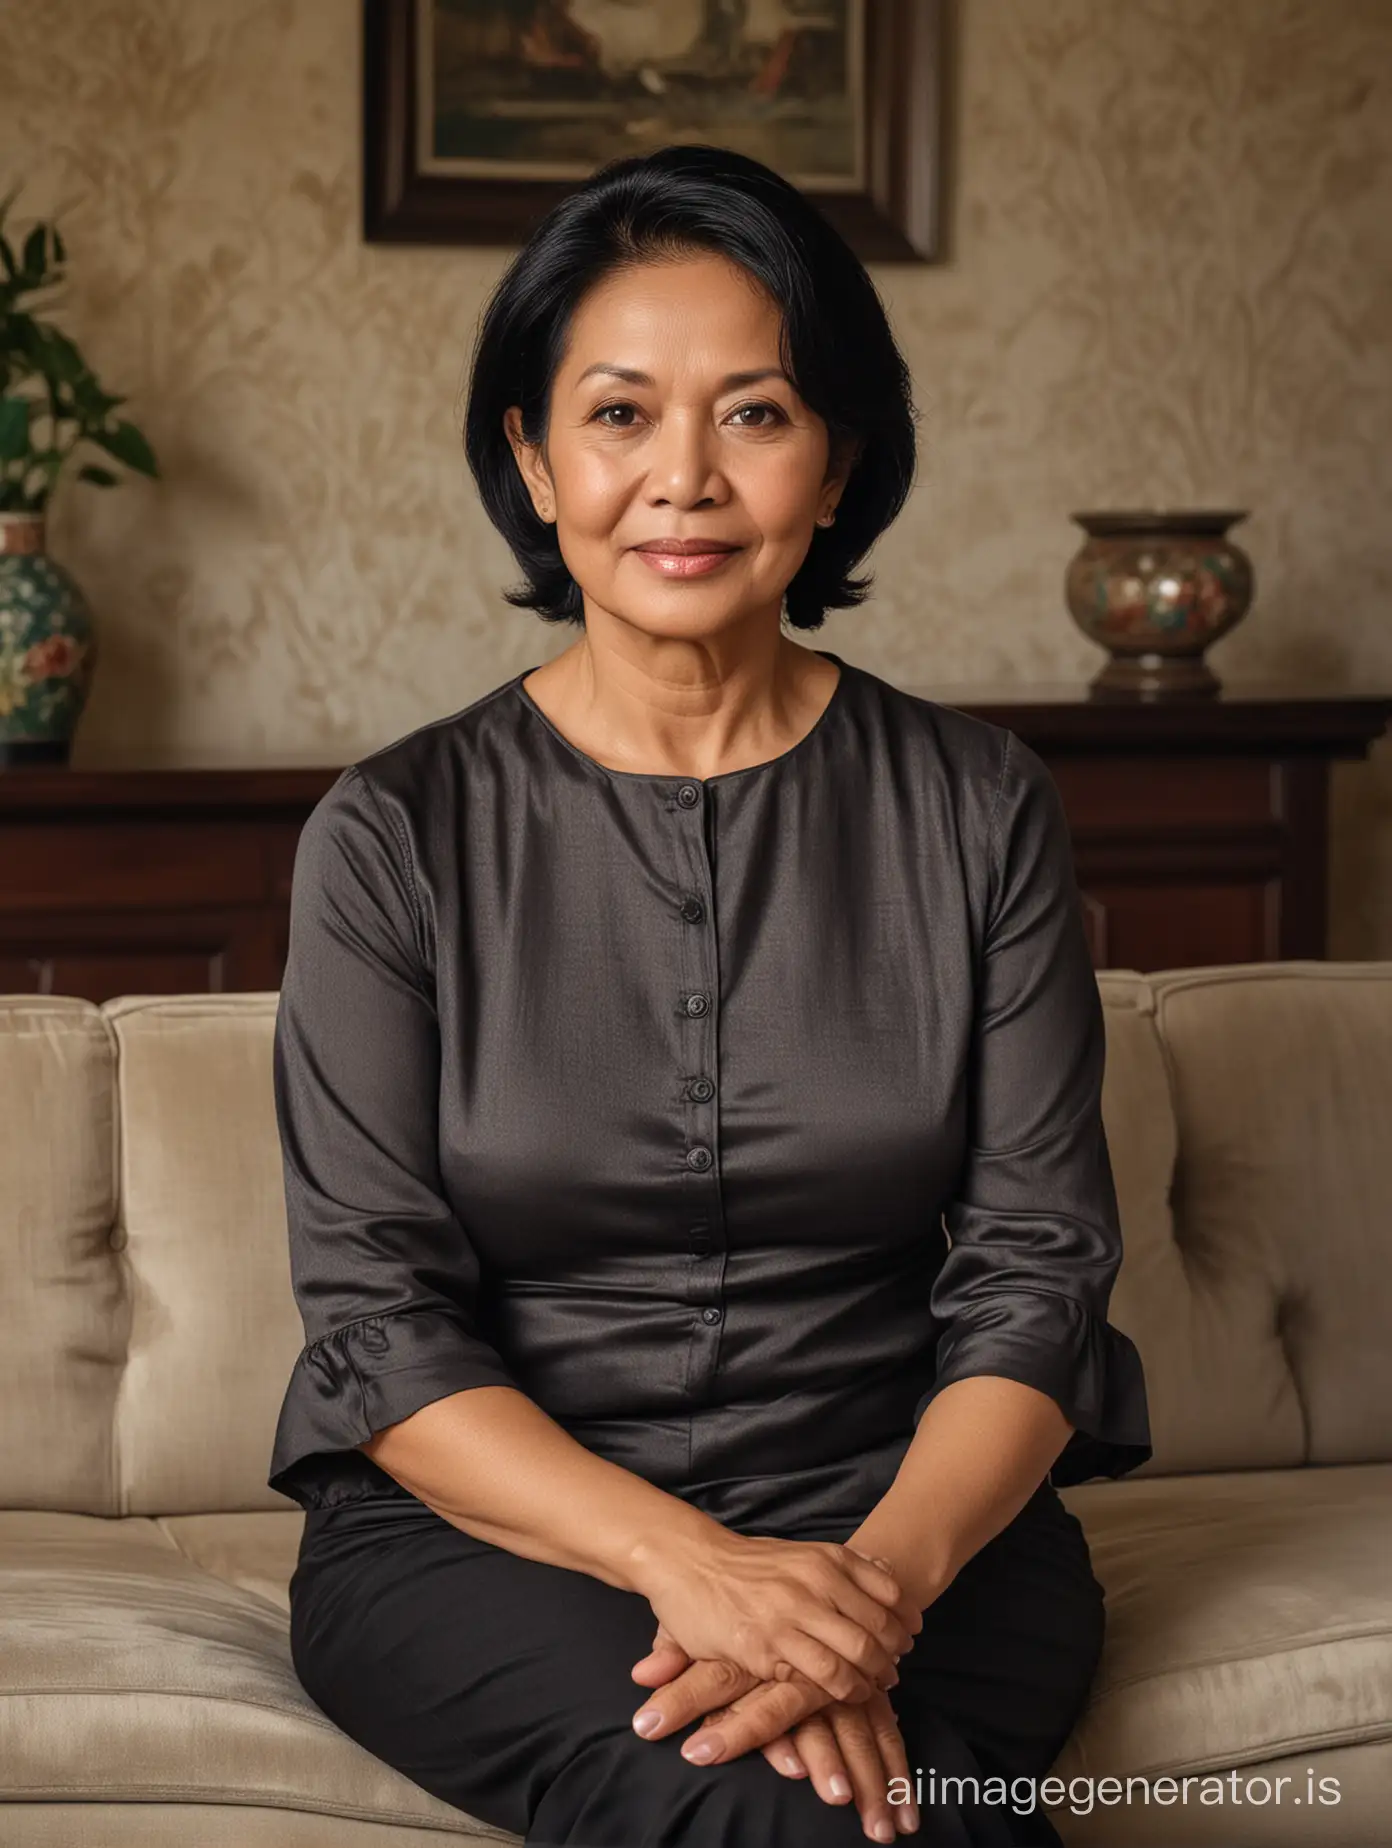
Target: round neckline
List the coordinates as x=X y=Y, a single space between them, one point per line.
x=721 y=776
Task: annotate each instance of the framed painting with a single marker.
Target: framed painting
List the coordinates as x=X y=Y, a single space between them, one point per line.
x=478 y=115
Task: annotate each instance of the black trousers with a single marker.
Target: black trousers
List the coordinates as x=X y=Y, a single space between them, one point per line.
x=502 y=1685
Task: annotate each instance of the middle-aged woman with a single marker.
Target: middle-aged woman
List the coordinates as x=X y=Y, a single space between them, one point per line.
x=688 y=1069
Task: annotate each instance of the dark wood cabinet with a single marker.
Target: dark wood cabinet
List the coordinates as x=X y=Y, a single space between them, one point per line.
x=120 y=881
x=1200 y=827
x=1200 y=830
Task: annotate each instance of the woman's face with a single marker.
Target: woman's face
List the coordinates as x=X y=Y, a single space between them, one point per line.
x=671 y=418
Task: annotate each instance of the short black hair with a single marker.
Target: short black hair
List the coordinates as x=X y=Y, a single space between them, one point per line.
x=837 y=348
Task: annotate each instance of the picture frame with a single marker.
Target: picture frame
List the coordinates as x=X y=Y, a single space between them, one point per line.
x=480 y=115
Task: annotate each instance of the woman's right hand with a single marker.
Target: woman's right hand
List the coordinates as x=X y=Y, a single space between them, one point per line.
x=771 y=1605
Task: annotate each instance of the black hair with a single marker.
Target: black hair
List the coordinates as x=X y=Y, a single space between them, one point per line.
x=837 y=348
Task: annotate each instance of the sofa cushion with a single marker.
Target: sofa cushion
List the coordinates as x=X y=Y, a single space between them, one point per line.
x=64 y=1309
x=214 y=1326
x=256 y=1552
x=129 y=1673
x=147 y=1325
x=1249 y=1615
x=1282 y=1088
x=1249 y=1118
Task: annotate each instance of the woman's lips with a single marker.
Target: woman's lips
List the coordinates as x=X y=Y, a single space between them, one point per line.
x=685 y=564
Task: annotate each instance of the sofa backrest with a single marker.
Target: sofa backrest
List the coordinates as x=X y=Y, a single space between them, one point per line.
x=1249 y=1116
x=147 y=1323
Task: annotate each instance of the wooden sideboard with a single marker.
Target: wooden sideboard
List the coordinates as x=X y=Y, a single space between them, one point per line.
x=1201 y=826
x=1200 y=830
x=122 y=881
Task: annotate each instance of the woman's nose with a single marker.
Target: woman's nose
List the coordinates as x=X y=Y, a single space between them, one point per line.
x=682 y=467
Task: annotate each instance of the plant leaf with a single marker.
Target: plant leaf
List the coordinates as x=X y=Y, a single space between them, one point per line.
x=127 y=445
x=34 y=261
x=90 y=402
x=55 y=356
x=14 y=428
x=99 y=476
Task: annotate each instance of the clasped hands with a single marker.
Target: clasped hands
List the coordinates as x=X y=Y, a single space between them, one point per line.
x=787 y=1647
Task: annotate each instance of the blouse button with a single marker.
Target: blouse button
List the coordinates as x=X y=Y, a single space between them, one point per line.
x=710 y=1315
x=688 y=795
x=700 y=1157
x=697 y=1005
x=693 y=910
x=700 y=1244
x=702 y=1089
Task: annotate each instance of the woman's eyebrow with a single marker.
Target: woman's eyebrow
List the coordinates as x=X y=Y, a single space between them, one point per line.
x=632 y=376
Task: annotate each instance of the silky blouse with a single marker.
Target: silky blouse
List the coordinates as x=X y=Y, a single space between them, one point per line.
x=729 y=1119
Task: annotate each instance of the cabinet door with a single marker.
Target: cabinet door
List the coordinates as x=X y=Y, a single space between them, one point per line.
x=100 y=907
x=1194 y=860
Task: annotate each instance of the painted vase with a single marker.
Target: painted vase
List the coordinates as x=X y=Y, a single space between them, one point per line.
x=47 y=647
x=1156 y=588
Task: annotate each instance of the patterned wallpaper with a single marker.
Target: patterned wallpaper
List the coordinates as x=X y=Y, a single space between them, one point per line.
x=1170 y=280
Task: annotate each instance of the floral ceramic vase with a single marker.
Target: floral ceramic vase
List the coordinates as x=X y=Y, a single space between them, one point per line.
x=47 y=647
x=1155 y=589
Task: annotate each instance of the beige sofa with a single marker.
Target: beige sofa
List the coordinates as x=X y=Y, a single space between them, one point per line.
x=147 y=1329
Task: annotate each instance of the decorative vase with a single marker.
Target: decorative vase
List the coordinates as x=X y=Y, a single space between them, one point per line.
x=1156 y=588
x=47 y=647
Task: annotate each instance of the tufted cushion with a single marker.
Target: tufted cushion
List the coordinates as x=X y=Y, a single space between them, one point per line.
x=1248 y=1616
x=147 y=1323
x=64 y=1309
x=1249 y=1114
x=132 y=1674
x=214 y=1327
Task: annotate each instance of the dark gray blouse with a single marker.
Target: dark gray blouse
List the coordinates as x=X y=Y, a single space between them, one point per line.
x=727 y=1119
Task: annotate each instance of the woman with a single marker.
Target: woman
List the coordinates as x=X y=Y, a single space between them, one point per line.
x=647 y=1028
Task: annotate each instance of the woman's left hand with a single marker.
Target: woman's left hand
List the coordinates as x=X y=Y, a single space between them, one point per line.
x=851 y=1750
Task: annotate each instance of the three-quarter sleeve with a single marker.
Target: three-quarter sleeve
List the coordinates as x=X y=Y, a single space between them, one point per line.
x=382 y=1269
x=1034 y=1223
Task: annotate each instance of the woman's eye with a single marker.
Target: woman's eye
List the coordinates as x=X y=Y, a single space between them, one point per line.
x=604 y=409
x=772 y=409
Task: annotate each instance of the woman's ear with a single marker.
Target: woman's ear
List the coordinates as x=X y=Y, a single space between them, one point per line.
x=843 y=458
x=531 y=463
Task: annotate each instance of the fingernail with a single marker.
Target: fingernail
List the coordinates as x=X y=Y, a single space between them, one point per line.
x=883 y=1831
x=698 y=1751
x=647 y=1721
x=839 y=1787
x=794 y=1766
x=908 y=1819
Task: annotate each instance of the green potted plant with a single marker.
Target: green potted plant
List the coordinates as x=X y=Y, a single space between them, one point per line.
x=51 y=405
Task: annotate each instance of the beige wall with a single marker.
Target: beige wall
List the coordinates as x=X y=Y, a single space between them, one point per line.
x=1170 y=281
